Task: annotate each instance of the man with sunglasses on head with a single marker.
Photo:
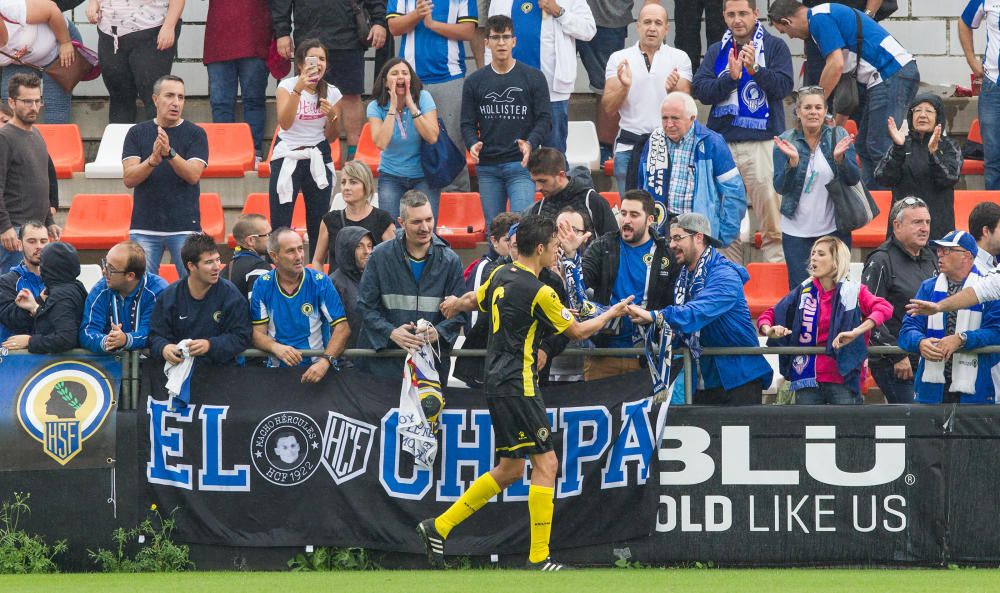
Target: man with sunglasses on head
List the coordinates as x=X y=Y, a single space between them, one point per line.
x=885 y=67
x=249 y=261
x=118 y=309
x=894 y=271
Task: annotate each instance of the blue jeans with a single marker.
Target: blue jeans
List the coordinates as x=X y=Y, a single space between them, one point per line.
x=797 y=251
x=622 y=161
x=251 y=76
x=560 y=126
x=827 y=393
x=155 y=245
x=896 y=391
x=989 y=125
x=594 y=54
x=498 y=182
x=392 y=187
x=890 y=98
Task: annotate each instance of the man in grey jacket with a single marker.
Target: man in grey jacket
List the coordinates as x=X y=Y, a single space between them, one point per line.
x=406 y=279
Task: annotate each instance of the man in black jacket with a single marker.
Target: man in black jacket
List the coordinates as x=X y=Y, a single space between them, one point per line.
x=354 y=247
x=894 y=271
x=547 y=168
x=250 y=232
x=203 y=308
x=633 y=261
x=333 y=22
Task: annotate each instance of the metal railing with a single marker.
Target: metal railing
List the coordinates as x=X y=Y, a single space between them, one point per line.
x=132 y=361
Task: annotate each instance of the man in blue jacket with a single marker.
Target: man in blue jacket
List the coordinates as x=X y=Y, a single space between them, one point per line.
x=13 y=319
x=745 y=77
x=203 y=307
x=119 y=307
x=710 y=310
x=406 y=279
x=688 y=168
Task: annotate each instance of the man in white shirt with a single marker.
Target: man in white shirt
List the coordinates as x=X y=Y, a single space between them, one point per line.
x=638 y=79
x=547 y=31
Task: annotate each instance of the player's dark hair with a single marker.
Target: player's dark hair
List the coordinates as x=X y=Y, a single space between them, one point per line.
x=985 y=214
x=534 y=230
x=641 y=195
x=195 y=246
x=546 y=161
x=501 y=223
x=499 y=23
x=751 y=3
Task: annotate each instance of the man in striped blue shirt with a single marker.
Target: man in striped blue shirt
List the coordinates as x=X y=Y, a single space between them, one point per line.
x=433 y=42
x=887 y=70
x=975 y=13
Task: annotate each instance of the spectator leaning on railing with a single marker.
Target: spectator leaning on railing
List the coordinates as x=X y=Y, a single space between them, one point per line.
x=354 y=247
x=24 y=276
x=947 y=374
x=894 y=271
x=119 y=307
x=830 y=311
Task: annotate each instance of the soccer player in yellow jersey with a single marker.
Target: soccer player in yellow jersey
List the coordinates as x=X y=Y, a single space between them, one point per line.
x=522 y=311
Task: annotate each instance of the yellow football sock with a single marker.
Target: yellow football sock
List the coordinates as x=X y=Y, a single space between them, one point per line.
x=540 y=507
x=483 y=489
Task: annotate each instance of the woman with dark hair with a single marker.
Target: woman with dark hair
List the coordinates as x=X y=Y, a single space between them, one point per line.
x=402 y=115
x=307 y=117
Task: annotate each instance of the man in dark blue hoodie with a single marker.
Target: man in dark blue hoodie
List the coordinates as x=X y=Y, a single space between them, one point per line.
x=745 y=78
x=202 y=307
x=14 y=320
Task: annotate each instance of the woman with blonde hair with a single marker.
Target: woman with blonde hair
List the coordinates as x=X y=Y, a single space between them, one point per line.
x=826 y=310
x=356 y=186
x=806 y=159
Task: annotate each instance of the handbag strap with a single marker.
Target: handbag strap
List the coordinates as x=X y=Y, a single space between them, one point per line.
x=22 y=62
x=857 y=62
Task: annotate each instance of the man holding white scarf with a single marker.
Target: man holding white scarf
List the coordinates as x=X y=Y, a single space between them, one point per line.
x=947 y=374
x=744 y=78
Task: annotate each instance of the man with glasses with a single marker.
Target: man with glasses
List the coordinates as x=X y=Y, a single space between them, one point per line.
x=24 y=173
x=118 y=309
x=947 y=374
x=894 y=271
x=505 y=115
x=633 y=261
x=887 y=70
x=202 y=315
x=249 y=261
x=709 y=311
x=547 y=168
x=24 y=276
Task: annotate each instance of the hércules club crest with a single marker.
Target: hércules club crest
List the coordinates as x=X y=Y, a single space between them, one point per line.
x=63 y=405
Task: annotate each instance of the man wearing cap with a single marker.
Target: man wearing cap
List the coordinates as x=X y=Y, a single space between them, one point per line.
x=710 y=310
x=947 y=373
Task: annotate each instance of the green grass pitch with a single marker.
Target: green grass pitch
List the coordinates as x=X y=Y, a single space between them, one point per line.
x=507 y=581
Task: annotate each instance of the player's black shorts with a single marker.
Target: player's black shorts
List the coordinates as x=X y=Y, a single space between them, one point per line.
x=520 y=426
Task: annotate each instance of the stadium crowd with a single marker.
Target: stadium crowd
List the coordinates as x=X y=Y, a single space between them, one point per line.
x=672 y=245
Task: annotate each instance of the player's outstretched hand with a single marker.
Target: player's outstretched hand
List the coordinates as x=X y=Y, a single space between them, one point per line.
x=639 y=315
x=620 y=309
x=917 y=307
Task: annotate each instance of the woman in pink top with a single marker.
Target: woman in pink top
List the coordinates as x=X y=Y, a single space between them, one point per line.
x=826 y=304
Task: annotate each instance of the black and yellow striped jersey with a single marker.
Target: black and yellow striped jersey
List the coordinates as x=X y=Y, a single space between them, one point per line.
x=522 y=311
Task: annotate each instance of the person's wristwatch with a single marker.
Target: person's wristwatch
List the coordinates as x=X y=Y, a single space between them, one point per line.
x=964 y=337
x=870 y=12
x=171 y=154
x=562 y=11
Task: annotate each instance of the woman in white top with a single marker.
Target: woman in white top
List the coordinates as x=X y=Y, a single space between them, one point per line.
x=136 y=46
x=37 y=33
x=307 y=112
x=806 y=159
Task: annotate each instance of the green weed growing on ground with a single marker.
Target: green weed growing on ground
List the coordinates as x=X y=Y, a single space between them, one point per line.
x=159 y=554
x=324 y=559
x=21 y=553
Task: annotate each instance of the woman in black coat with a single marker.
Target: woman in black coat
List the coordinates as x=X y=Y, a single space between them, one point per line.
x=924 y=163
x=57 y=318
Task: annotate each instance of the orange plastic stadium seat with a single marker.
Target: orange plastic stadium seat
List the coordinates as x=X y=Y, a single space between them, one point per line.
x=367 y=152
x=971 y=167
x=609 y=168
x=873 y=233
x=65 y=146
x=966 y=200
x=230 y=150
x=767 y=284
x=98 y=221
x=168 y=272
x=460 y=220
x=612 y=198
x=258 y=203
x=264 y=167
x=851 y=126
x=213 y=221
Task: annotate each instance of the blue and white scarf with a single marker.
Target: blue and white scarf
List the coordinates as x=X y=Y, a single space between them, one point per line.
x=748 y=103
x=963 y=366
x=804 y=365
x=527 y=18
x=686 y=288
x=670 y=172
